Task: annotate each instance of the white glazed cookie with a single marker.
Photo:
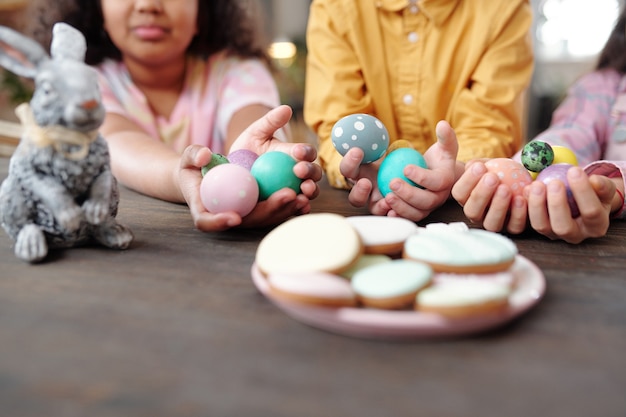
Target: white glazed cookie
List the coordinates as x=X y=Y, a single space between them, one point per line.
x=391 y=285
x=506 y=278
x=317 y=288
x=450 y=248
x=463 y=299
x=321 y=242
x=382 y=234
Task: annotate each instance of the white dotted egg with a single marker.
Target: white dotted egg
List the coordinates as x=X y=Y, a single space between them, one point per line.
x=361 y=131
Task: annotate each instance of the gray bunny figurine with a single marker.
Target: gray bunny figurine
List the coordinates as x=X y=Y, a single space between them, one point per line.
x=60 y=191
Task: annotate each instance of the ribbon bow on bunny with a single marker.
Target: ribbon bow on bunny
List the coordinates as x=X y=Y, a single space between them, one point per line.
x=55 y=135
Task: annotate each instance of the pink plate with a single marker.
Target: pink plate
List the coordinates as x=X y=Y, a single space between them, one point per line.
x=384 y=324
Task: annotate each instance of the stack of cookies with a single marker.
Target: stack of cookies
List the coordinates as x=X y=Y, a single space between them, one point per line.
x=388 y=263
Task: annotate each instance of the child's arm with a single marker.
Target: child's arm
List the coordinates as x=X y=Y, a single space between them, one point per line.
x=141 y=162
x=152 y=168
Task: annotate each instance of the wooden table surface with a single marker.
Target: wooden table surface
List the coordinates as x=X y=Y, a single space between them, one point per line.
x=175 y=327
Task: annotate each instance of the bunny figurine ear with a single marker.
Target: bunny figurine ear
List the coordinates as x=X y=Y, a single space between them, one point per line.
x=67 y=43
x=20 y=54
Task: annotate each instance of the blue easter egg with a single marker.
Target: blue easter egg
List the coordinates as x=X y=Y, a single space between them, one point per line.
x=273 y=171
x=393 y=166
x=361 y=131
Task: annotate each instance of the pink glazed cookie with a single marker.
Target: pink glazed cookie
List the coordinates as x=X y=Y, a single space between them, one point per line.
x=317 y=288
x=382 y=234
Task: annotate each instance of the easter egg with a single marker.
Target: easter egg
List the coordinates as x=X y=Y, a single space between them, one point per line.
x=361 y=131
x=399 y=143
x=393 y=167
x=511 y=173
x=216 y=159
x=563 y=155
x=559 y=172
x=243 y=157
x=537 y=155
x=273 y=171
x=229 y=187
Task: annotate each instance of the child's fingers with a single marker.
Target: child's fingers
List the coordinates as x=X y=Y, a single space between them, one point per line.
x=497 y=211
x=351 y=163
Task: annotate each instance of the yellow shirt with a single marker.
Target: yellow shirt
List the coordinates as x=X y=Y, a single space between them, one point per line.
x=412 y=64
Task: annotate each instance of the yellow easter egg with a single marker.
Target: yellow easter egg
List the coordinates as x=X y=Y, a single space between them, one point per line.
x=563 y=155
x=399 y=143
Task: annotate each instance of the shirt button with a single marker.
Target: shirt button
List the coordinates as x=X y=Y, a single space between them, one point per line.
x=407 y=99
x=413 y=37
x=414 y=9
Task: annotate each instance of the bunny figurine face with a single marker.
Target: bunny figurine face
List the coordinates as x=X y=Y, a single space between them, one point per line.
x=60 y=191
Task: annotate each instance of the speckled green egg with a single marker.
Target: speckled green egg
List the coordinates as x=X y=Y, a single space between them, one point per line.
x=537 y=155
x=216 y=159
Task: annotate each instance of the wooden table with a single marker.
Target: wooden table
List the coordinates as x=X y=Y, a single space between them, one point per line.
x=174 y=327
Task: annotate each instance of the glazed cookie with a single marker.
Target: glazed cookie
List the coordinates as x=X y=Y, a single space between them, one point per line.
x=365 y=261
x=463 y=299
x=391 y=285
x=453 y=248
x=506 y=278
x=317 y=288
x=321 y=242
x=382 y=234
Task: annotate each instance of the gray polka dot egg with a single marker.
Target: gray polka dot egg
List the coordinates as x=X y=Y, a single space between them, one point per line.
x=361 y=131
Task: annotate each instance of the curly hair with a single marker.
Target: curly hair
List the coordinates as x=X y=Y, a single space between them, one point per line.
x=222 y=25
x=613 y=55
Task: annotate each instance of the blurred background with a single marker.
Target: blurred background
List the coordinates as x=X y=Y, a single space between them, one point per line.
x=568 y=34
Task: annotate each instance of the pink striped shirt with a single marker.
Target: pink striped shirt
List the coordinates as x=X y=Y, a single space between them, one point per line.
x=591 y=121
x=213 y=91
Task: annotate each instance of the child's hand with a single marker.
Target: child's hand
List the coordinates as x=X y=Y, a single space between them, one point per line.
x=487 y=202
x=406 y=200
x=550 y=215
x=364 y=189
x=415 y=203
x=259 y=138
x=279 y=206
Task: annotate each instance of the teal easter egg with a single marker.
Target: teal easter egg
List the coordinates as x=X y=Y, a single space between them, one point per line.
x=273 y=171
x=363 y=131
x=393 y=166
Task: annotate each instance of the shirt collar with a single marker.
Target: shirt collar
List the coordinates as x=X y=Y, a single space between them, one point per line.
x=436 y=10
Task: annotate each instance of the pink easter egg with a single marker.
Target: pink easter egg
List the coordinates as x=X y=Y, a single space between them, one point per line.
x=511 y=173
x=229 y=187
